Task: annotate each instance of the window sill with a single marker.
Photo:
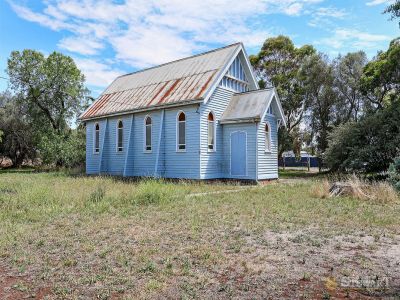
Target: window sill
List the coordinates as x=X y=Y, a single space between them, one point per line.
x=211 y=150
x=181 y=151
x=148 y=151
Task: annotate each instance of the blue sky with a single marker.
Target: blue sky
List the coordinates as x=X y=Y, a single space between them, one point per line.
x=108 y=38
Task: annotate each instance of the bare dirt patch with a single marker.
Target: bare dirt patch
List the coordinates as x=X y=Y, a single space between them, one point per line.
x=112 y=259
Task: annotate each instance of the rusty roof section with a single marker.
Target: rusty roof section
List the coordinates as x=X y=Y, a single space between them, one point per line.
x=180 y=81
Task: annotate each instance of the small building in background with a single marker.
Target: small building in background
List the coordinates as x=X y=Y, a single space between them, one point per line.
x=201 y=117
x=306 y=160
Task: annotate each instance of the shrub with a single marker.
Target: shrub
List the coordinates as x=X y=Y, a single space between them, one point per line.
x=366 y=146
x=394 y=173
x=64 y=149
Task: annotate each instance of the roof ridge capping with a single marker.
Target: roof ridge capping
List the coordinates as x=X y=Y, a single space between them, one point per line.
x=181 y=59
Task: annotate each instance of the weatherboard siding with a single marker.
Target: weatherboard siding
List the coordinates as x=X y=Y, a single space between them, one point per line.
x=114 y=160
x=182 y=164
x=93 y=159
x=134 y=160
x=267 y=161
x=144 y=161
x=193 y=164
x=212 y=161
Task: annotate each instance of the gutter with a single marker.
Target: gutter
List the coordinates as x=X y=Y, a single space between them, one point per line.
x=131 y=111
x=241 y=120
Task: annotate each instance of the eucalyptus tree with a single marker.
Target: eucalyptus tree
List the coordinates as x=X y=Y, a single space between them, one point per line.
x=51 y=92
x=17 y=140
x=318 y=78
x=348 y=71
x=278 y=64
x=52 y=88
x=380 y=81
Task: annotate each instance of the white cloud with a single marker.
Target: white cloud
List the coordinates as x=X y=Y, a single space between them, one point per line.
x=352 y=39
x=43 y=19
x=322 y=16
x=378 y=2
x=294 y=9
x=331 y=12
x=85 y=45
x=149 y=32
x=96 y=73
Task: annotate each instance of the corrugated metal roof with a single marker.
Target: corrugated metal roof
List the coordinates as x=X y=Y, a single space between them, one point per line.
x=249 y=106
x=178 y=81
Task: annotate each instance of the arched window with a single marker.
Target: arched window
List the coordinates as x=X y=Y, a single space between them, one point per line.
x=147 y=133
x=96 y=138
x=120 y=136
x=267 y=138
x=181 y=132
x=211 y=132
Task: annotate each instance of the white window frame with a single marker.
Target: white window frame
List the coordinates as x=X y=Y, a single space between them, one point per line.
x=177 y=131
x=96 y=150
x=214 y=149
x=117 y=149
x=268 y=146
x=145 y=150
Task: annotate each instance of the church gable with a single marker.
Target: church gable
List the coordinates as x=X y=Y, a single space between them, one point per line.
x=235 y=78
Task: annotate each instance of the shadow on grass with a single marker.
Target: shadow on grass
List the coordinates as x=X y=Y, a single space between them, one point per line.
x=23 y=170
x=80 y=172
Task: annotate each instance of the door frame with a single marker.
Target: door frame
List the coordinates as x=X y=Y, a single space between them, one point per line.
x=230 y=153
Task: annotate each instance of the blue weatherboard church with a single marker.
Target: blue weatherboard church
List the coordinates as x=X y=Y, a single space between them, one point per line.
x=201 y=117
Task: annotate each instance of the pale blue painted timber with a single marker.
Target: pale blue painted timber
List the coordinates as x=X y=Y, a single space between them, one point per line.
x=128 y=164
x=250 y=129
x=113 y=160
x=267 y=160
x=160 y=152
x=93 y=160
x=163 y=160
x=144 y=161
x=211 y=162
x=235 y=78
x=182 y=164
x=238 y=153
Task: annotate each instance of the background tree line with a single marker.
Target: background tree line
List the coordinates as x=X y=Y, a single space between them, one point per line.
x=346 y=110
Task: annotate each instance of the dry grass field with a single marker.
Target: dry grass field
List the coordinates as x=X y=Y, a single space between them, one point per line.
x=64 y=237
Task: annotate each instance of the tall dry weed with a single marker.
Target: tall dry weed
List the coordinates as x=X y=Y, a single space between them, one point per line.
x=355 y=187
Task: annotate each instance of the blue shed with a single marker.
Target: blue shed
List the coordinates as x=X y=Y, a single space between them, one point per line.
x=201 y=117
